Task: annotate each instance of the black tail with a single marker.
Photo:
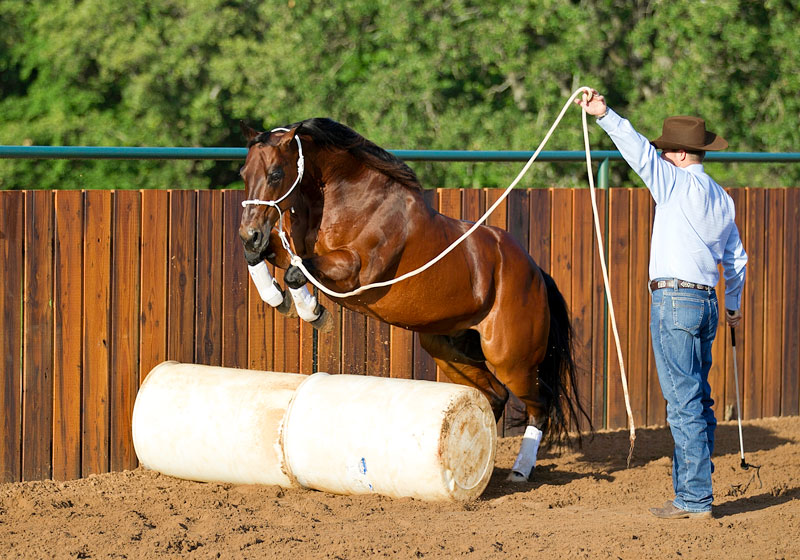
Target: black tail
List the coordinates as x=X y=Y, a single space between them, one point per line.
x=557 y=372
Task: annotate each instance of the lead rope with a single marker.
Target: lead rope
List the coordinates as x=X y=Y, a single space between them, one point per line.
x=600 y=249
x=298 y=262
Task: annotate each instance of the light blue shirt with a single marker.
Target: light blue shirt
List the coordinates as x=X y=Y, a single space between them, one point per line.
x=694 y=228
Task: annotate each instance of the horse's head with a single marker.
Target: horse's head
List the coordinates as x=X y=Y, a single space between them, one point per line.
x=269 y=172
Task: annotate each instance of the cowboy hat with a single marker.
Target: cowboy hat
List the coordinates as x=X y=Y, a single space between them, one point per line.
x=688 y=133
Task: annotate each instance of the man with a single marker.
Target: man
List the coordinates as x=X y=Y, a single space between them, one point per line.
x=693 y=232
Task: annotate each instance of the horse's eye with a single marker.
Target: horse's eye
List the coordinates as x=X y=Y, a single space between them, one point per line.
x=275 y=176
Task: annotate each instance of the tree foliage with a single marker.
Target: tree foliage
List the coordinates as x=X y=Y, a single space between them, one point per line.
x=460 y=74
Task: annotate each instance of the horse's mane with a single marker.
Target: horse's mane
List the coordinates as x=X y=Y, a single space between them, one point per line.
x=328 y=133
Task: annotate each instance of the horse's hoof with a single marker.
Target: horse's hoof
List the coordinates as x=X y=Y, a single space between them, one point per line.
x=514 y=476
x=294 y=277
x=287 y=307
x=323 y=323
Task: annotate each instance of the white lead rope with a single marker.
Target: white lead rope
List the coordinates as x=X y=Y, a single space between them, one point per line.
x=608 y=288
x=298 y=261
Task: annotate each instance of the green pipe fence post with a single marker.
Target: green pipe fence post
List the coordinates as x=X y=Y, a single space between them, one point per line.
x=602 y=175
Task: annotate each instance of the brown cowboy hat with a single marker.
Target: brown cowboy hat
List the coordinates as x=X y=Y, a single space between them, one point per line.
x=688 y=133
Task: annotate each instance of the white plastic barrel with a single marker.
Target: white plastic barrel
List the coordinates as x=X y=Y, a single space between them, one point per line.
x=353 y=434
x=346 y=434
x=212 y=423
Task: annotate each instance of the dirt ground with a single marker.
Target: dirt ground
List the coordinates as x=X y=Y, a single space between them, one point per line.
x=579 y=504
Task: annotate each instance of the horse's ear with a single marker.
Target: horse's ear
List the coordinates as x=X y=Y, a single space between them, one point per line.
x=249 y=133
x=288 y=137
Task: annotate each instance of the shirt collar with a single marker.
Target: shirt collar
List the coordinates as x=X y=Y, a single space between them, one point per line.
x=695 y=168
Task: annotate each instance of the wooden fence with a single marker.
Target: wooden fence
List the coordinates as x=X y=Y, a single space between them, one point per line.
x=100 y=286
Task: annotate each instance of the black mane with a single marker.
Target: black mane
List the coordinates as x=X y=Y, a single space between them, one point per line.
x=328 y=133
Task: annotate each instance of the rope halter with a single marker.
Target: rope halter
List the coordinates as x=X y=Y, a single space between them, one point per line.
x=275 y=203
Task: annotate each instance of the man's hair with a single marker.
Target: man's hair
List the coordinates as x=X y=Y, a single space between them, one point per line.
x=697 y=155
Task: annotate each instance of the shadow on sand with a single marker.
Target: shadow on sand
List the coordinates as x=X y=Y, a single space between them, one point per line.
x=609 y=450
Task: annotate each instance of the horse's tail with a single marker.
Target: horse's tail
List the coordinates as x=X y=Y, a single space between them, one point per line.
x=557 y=383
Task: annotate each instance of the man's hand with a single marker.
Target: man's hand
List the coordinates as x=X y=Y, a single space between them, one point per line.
x=593 y=103
x=733 y=318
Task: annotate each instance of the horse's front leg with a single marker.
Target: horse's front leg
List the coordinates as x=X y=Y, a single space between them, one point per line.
x=268 y=288
x=341 y=266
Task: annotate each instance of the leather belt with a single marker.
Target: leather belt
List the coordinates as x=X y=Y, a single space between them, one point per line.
x=659 y=284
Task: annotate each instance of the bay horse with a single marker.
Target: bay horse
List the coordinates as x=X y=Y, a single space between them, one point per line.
x=486 y=313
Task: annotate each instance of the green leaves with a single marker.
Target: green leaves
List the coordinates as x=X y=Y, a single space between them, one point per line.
x=406 y=74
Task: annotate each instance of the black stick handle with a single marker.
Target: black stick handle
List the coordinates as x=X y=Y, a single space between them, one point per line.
x=733 y=337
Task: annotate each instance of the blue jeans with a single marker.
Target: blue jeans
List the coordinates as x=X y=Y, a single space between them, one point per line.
x=683 y=323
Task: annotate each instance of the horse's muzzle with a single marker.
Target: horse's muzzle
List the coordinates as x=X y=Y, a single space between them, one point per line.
x=255 y=241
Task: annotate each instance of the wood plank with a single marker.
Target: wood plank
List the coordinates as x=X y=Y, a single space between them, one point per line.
x=639 y=303
x=499 y=217
x=235 y=281
x=378 y=350
x=261 y=317
x=535 y=233
x=561 y=222
x=450 y=204
x=401 y=353
x=619 y=210
x=124 y=325
x=96 y=334
x=773 y=303
x=739 y=196
x=753 y=308
x=656 y=405
x=520 y=205
x=37 y=385
x=68 y=346
x=354 y=343
x=583 y=252
x=599 y=323
x=12 y=235
x=153 y=280
x=329 y=345
x=208 y=296
x=308 y=345
x=790 y=396
x=286 y=336
x=182 y=260
x=719 y=365
x=424 y=366
x=473 y=204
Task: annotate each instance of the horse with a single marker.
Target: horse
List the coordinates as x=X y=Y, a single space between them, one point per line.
x=489 y=316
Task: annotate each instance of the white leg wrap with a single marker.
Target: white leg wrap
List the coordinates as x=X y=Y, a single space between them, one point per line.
x=265 y=284
x=305 y=303
x=526 y=459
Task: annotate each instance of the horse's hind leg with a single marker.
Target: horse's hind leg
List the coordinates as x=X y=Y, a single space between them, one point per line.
x=461 y=360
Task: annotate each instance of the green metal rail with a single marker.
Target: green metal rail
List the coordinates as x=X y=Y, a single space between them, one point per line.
x=105 y=152
x=602 y=156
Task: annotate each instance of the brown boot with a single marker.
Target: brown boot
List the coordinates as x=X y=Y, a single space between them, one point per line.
x=671 y=511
